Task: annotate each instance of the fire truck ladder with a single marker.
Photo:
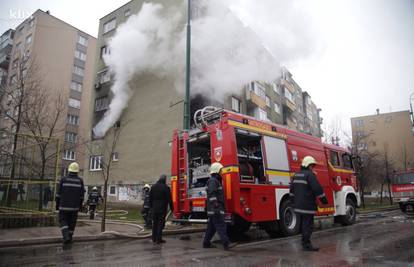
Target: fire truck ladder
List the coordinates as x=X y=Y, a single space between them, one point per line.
x=182 y=180
x=207 y=115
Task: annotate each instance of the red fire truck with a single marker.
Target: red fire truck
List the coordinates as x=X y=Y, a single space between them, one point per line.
x=259 y=159
x=403 y=190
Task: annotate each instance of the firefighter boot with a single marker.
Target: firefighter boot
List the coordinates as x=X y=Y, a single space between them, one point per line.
x=310 y=247
x=66 y=236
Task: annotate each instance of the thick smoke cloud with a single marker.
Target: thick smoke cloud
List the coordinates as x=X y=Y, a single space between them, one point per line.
x=233 y=42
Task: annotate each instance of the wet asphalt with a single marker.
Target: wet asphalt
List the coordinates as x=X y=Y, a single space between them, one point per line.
x=376 y=240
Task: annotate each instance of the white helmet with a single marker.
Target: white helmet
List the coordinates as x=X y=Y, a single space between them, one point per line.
x=308 y=160
x=95 y=188
x=215 y=167
x=146 y=186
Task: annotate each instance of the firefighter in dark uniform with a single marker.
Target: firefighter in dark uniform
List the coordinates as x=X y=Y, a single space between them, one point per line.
x=305 y=189
x=146 y=209
x=160 y=198
x=215 y=208
x=93 y=201
x=69 y=198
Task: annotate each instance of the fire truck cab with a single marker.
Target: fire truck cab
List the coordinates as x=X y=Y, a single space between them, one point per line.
x=259 y=159
x=403 y=190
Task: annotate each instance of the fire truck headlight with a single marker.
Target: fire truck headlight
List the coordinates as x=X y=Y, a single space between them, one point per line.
x=247 y=210
x=242 y=201
x=338 y=180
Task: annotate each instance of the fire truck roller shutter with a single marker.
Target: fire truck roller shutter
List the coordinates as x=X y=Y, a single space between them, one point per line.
x=277 y=160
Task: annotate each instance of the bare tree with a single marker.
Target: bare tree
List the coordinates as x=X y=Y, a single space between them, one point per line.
x=106 y=149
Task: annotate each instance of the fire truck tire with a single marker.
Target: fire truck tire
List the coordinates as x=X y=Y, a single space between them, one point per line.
x=238 y=227
x=289 y=223
x=350 y=216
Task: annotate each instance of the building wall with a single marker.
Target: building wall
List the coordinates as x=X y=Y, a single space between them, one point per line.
x=391 y=132
x=52 y=51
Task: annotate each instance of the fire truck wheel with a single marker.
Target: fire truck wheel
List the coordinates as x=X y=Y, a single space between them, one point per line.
x=350 y=216
x=289 y=221
x=240 y=226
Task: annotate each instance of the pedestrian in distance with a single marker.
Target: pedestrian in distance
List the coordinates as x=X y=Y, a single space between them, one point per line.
x=304 y=190
x=146 y=209
x=47 y=196
x=94 y=198
x=69 y=198
x=215 y=209
x=159 y=200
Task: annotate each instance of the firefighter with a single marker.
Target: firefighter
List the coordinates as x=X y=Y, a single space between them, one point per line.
x=160 y=198
x=146 y=210
x=93 y=201
x=305 y=189
x=215 y=208
x=69 y=198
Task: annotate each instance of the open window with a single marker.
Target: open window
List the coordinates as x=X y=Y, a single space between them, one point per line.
x=199 y=160
x=334 y=158
x=249 y=153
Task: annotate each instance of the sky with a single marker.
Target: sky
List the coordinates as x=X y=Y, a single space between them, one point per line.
x=363 y=60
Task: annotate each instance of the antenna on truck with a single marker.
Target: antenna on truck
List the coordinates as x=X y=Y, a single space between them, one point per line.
x=206 y=115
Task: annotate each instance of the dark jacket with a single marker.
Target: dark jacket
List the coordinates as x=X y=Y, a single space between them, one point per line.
x=146 y=204
x=69 y=194
x=305 y=188
x=160 y=198
x=94 y=197
x=215 y=196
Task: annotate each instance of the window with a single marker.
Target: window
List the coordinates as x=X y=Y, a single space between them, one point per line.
x=115 y=156
x=109 y=26
x=359 y=133
x=31 y=22
x=362 y=146
x=346 y=159
x=82 y=40
x=80 y=55
x=18 y=47
x=28 y=39
x=289 y=95
x=275 y=88
x=235 y=104
x=69 y=154
x=112 y=190
x=78 y=70
x=95 y=163
x=262 y=114
x=260 y=91
x=73 y=119
x=76 y=86
x=74 y=103
x=101 y=103
x=277 y=108
x=334 y=158
x=127 y=12
x=71 y=137
x=104 y=51
x=104 y=77
x=267 y=101
x=359 y=123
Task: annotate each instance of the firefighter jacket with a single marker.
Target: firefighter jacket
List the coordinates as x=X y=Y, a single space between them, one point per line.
x=304 y=189
x=94 y=197
x=215 y=196
x=69 y=194
x=146 y=198
x=160 y=198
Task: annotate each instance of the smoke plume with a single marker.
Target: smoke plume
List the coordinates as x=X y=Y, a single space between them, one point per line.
x=233 y=42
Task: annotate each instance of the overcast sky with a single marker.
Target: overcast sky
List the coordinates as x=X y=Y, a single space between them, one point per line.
x=365 y=58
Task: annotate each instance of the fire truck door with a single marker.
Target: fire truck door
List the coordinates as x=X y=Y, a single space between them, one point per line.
x=277 y=160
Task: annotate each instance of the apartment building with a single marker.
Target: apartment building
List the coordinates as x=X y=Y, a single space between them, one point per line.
x=63 y=59
x=386 y=132
x=155 y=109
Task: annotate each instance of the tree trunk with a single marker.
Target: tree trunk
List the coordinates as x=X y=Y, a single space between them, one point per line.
x=105 y=195
x=362 y=197
x=42 y=174
x=382 y=189
x=389 y=190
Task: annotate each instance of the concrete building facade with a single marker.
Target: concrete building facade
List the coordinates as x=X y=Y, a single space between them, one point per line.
x=155 y=109
x=63 y=58
x=387 y=132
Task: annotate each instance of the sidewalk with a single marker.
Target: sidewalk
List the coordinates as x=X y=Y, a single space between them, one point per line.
x=86 y=230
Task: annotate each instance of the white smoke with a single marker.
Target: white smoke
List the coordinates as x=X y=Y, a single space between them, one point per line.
x=233 y=42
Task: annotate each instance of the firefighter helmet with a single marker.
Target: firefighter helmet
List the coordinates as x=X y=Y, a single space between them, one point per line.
x=308 y=160
x=94 y=188
x=215 y=167
x=73 y=167
x=146 y=186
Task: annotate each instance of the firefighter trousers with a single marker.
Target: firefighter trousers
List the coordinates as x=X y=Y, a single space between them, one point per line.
x=306 y=226
x=215 y=224
x=158 y=223
x=67 y=222
x=92 y=209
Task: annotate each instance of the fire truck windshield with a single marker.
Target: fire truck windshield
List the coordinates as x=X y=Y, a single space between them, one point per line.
x=404 y=178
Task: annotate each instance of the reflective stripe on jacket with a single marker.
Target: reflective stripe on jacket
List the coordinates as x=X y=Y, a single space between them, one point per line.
x=304 y=189
x=215 y=196
x=70 y=193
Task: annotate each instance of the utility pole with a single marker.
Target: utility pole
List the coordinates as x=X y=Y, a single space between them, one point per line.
x=186 y=124
x=411 y=109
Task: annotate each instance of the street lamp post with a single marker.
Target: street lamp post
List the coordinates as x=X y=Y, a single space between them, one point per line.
x=186 y=124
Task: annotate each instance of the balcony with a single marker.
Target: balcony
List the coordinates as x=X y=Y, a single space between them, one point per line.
x=256 y=100
x=4 y=61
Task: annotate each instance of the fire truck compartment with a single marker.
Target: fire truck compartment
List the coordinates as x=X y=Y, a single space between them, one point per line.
x=250 y=157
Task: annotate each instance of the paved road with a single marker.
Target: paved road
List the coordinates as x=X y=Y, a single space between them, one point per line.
x=380 y=241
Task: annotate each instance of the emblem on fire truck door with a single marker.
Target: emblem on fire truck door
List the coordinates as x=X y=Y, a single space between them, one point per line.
x=218 y=153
